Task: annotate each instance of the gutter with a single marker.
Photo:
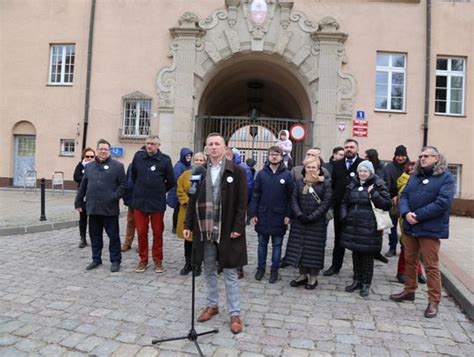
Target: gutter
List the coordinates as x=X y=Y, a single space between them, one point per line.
x=427 y=73
x=89 y=74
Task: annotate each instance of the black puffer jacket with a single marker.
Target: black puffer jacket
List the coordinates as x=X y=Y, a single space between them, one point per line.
x=359 y=229
x=307 y=242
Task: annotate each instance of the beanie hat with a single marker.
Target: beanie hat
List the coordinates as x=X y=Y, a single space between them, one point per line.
x=401 y=150
x=366 y=164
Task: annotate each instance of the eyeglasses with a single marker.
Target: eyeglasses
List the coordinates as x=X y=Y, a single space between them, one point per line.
x=103 y=149
x=274 y=154
x=426 y=156
x=89 y=156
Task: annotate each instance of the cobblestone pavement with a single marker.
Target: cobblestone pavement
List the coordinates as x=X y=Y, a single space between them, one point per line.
x=49 y=305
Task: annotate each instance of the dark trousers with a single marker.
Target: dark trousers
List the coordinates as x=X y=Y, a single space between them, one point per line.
x=338 y=251
x=83 y=222
x=188 y=249
x=175 y=216
x=277 y=242
x=363 y=266
x=393 y=236
x=97 y=224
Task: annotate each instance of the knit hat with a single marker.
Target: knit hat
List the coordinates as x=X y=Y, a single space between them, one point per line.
x=401 y=150
x=366 y=164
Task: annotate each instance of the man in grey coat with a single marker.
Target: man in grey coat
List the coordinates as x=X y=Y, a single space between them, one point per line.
x=103 y=184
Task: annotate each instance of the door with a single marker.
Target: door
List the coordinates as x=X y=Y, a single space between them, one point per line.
x=25 y=147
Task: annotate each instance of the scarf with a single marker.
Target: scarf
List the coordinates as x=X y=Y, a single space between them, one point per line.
x=309 y=180
x=209 y=211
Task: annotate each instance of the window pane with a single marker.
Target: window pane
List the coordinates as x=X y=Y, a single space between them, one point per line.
x=456 y=108
x=441 y=81
x=457 y=65
x=381 y=102
x=382 y=77
x=456 y=95
x=441 y=94
x=397 y=103
x=382 y=59
x=398 y=61
x=442 y=64
x=397 y=91
x=397 y=78
x=381 y=90
x=440 y=106
x=456 y=82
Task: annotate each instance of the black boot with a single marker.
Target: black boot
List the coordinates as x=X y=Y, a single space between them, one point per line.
x=356 y=284
x=364 y=290
x=273 y=276
x=186 y=269
x=259 y=274
x=197 y=270
x=83 y=242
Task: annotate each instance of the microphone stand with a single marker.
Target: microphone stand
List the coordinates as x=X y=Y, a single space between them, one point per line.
x=192 y=334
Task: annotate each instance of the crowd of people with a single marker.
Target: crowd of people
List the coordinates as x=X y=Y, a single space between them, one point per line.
x=215 y=195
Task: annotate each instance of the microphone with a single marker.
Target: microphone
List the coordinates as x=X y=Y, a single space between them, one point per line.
x=197 y=175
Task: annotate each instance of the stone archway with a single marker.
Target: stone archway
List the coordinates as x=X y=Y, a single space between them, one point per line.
x=314 y=52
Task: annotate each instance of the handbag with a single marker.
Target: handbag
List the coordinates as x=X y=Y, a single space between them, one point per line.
x=329 y=213
x=381 y=217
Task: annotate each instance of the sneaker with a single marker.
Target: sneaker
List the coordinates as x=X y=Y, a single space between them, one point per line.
x=141 y=267
x=259 y=274
x=391 y=253
x=115 y=267
x=159 y=267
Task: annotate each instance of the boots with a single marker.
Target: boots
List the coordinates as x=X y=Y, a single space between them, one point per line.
x=273 y=276
x=364 y=290
x=197 y=270
x=186 y=269
x=356 y=284
x=83 y=242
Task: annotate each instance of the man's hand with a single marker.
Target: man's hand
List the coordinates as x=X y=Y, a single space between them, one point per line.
x=254 y=220
x=411 y=218
x=79 y=210
x=234 y=235
x=186 y=233
x=286 y=221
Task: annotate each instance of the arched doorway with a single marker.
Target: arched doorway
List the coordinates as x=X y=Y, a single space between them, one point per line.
x=249 y=99
x=24 y=139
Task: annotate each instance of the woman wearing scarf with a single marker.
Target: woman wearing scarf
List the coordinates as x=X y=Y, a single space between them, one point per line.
x=359 y=229
x=88 y=155
x=310 y=202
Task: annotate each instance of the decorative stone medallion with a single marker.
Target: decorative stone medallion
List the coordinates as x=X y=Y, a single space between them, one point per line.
x=258 y=12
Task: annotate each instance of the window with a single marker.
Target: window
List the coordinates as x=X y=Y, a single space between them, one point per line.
x=61 y=68
x=456 y=172
x=390 y=82
x=67 y=147
x=449 y=96
x=136 y=117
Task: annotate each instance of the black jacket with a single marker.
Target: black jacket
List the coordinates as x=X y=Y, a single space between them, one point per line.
x=103 y=185
x=393 y=170
x=79 y=173
x=340 y=178
x=306 y=242
x=359 y=228
x=152 y=177
x=271 y=200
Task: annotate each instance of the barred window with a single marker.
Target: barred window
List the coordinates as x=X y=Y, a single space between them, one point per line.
x=136 y=117
x=61 y=67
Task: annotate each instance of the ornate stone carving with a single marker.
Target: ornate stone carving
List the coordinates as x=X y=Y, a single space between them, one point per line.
x=258 y=31
x=233 y=40
x=213 y=52
x=301 y=55
x=282 y=43
x=328 y=24
x=212 y=20
x=346 y=92
x=304 y=24
x=285 y=10
x=188 y=19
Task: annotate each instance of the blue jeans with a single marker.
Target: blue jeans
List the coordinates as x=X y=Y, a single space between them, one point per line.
x=231 y=281
x=393 y=236
x=277 y=242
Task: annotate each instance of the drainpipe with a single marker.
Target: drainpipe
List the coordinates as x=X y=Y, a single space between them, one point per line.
x=88 y=80
x=427 y=72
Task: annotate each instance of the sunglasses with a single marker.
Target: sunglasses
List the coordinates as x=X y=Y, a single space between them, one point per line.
x=426 y=156
x=89 y=156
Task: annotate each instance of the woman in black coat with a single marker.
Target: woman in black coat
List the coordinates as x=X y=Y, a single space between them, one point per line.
x=310 y=202
x=359 y=229
x=88 y=155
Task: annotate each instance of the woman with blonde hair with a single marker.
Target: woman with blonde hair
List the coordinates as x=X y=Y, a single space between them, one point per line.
x=182 y=189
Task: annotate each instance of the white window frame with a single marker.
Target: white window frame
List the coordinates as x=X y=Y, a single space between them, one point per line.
x=62 y=81
x=136 y=131
x=449 y=74
x=391 y=70
x=456 y=171
x=65 y=147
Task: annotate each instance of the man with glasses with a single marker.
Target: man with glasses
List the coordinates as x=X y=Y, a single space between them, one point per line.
x=102 y=186
x=425 y=203
x=342 y=173
x=152 y=176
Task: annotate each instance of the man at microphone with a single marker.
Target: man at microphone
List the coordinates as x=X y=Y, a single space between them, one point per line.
x=216 y=217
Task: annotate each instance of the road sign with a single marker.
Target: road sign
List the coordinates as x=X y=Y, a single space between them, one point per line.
x=360 y=128
x=297 y=132
x=117 y=151
x=360 y=115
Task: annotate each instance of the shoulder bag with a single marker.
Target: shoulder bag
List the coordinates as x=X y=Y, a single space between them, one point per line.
x=381 y=217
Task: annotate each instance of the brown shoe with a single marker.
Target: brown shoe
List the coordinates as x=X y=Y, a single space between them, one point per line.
x=207 y=313
x=403 y=296
x=235 y=324
x=431 y=310
x=159 y=267
x=126 y=247
x=141 y=267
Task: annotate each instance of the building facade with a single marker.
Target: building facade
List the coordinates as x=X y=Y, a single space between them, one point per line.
x=75 y=71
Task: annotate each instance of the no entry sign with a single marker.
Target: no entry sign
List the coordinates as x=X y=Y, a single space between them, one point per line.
x=297 y=132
